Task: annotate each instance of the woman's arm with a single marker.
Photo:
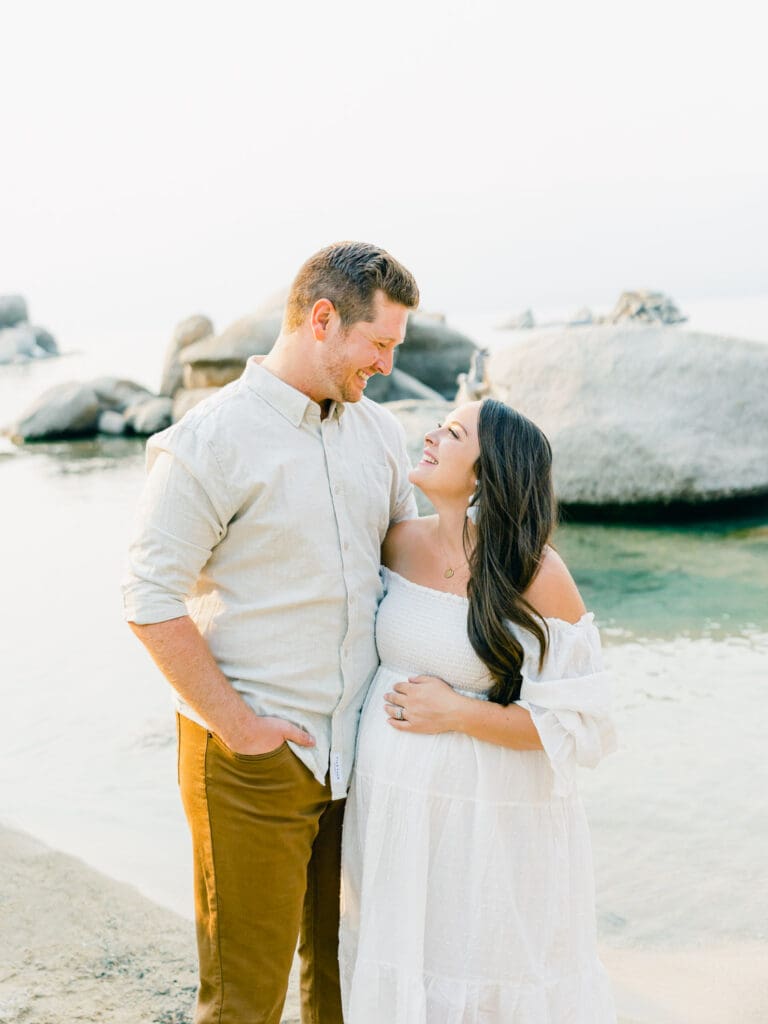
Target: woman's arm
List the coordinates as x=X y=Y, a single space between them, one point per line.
x=430 y=705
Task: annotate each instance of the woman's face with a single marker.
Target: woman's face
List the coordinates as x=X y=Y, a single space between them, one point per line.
x=447 y=467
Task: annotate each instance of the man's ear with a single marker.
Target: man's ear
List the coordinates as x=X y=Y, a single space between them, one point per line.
x=321 y=318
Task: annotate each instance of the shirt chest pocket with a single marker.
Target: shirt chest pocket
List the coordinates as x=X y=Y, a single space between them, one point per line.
x=367 y=496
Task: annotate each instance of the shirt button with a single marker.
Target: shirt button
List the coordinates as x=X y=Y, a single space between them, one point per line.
x=346 y=545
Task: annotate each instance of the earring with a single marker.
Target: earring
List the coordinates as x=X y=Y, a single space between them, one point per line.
x=473 y=508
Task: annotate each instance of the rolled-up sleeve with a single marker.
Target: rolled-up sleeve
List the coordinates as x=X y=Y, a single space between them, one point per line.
x=572 y=710
x=182 y=516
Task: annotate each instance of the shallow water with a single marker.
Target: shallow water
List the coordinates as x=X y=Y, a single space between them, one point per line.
x=88 y=761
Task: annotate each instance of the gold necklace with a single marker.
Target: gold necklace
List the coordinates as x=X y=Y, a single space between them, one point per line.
x=449 y=572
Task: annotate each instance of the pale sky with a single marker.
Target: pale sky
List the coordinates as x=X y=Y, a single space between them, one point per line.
x=164 y=158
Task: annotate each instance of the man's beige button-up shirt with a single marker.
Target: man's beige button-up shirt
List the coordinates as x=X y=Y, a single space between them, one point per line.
x=264 y=523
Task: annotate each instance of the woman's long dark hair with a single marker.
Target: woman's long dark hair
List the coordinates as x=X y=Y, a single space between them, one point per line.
x=515 y=519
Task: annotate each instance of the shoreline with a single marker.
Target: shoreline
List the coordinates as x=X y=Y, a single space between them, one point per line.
x=76 y=945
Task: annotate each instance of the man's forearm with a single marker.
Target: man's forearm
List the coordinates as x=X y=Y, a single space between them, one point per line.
x=185 y=659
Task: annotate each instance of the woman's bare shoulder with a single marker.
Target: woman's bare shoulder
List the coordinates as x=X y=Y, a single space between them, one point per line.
x=553 y=592
x=405 y=539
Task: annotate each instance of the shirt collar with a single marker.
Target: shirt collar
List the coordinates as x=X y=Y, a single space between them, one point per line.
x=294 y=405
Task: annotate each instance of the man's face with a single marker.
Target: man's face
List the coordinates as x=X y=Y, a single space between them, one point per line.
x=363 y=349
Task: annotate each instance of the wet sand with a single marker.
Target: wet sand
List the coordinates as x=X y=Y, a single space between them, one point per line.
x=78 y=946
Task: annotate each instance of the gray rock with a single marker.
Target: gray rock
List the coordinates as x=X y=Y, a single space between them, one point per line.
x=184 y=400
x=518 y=322
x=67 y=410
x=398 y=386
x=210 y=375
x=13 y=310
x=111 y=422
x=434 y=353
x=186 y=333
x=193 y=329
x=118 y=394
x=18 y=344
x=248 y=336
x=148 y=417
x=417 y=417
x=378 y=388
x=643 y=414
x=45 y=340
x=219 y=359
x=645 y=306
x=23 y=341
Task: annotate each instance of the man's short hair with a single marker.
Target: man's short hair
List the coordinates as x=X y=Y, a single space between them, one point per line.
x=349 y=274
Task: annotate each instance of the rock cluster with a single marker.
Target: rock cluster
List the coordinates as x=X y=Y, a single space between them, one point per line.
x=21 y=340
x=641 y=306
x=198 y=362
x=107 y=405
x=645 y=307
x=639 y=411
x=428 y=364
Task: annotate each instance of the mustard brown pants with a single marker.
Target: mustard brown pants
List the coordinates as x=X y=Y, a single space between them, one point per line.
x=266 y=841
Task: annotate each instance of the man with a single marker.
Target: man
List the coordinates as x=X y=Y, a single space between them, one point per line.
x=253 y=582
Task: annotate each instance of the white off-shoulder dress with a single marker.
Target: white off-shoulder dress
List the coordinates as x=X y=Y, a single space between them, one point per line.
x=467 y=882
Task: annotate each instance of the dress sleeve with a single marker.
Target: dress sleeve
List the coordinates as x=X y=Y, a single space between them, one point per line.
x=570 y=700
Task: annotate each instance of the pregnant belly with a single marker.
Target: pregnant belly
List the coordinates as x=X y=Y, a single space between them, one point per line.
x=450 y=764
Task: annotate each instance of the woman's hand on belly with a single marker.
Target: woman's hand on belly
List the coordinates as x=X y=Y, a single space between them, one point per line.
x=424 y=704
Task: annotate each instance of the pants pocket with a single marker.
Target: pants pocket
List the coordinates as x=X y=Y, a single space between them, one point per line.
x=268 y=755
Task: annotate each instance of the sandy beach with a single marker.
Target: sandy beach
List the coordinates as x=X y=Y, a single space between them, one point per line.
x=78 y=946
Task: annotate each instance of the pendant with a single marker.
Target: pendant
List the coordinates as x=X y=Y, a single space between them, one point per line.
x=448 y=573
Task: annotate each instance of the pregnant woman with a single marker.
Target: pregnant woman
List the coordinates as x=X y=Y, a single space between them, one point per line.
x=467 y=878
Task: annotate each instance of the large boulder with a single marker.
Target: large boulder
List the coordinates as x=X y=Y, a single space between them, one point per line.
x=186 y=333
x=118 y=393
x=641 y=415
x=106 y=405
x=434 y=353
x=66 y=410
x=13 y=310
x=217 y=360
